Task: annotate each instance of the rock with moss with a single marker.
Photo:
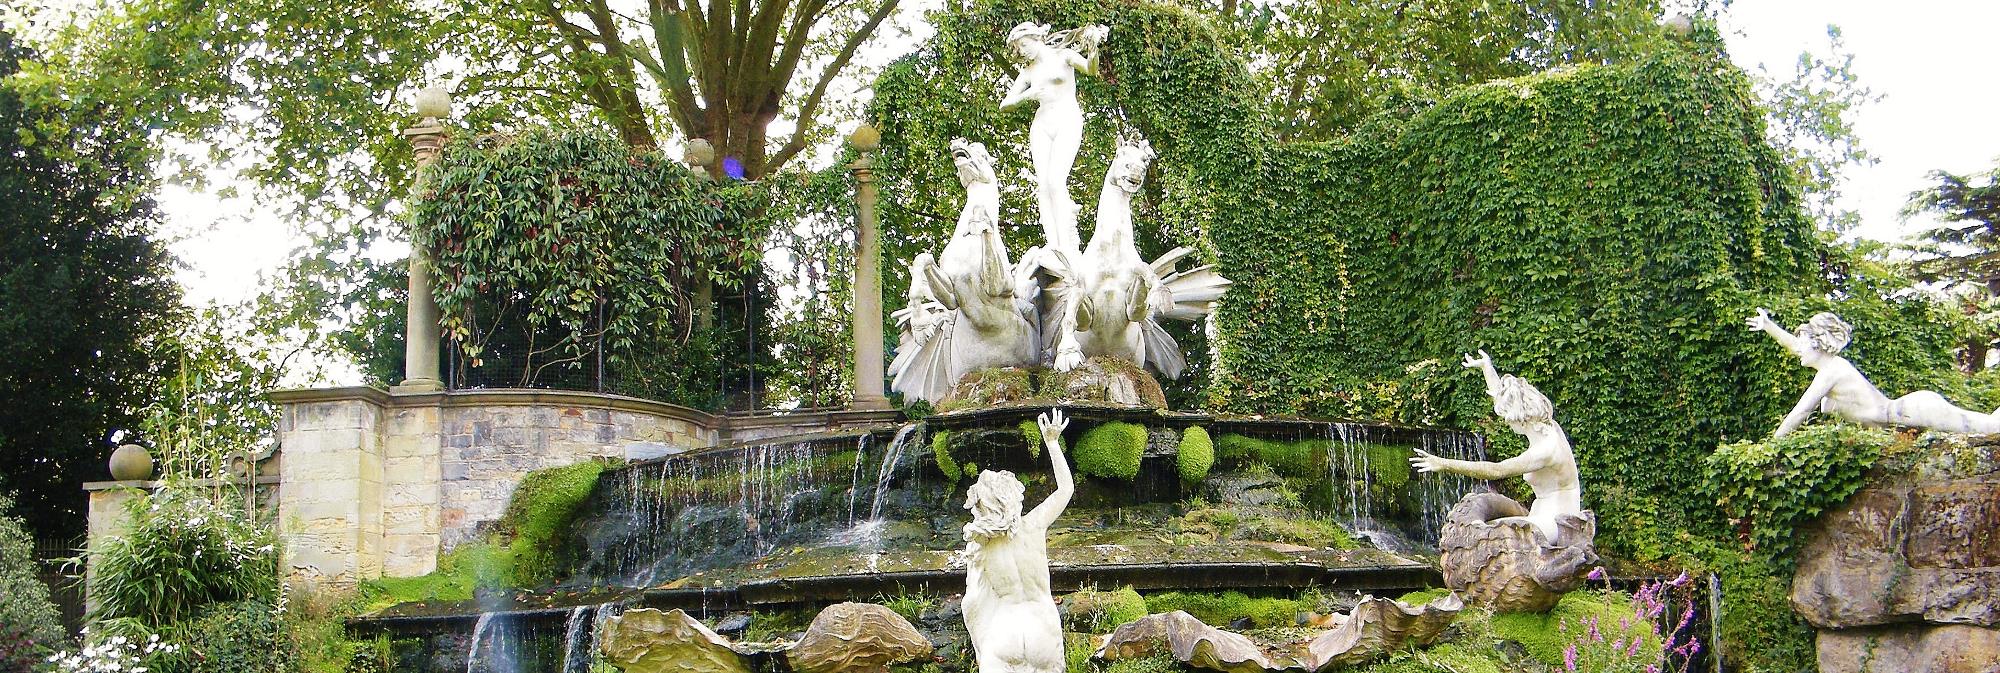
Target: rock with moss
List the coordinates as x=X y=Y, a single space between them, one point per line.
x=1498 y=559
x=1112 y=450
x=989 y=388
x=1104 y=380
x=1099 y=611
x=650 y=641
x=941 y=453
x=1195 y=455
x=539 y=516
x=857 y=638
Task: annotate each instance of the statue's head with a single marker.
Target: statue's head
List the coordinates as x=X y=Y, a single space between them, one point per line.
x=1025 y=35
x=995 y=502
x=974 y=164
x=1128 y=166
x=1522 y=405
x=1825 y=334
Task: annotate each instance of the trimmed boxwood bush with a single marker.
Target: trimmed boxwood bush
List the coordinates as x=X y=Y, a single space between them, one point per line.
x=1111 y=450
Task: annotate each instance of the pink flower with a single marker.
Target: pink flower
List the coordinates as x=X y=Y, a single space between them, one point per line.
x=1597 y=573
x=1569 y=658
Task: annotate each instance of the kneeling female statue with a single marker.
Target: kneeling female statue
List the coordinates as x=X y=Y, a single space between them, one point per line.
x=1010 y=613
x=1840 y=389
x=1496 y=552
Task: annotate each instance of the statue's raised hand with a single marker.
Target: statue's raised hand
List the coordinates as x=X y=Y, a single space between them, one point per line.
x=1482 y=362
x=1762 y=320
x=1425 y=462
x=1052 y=423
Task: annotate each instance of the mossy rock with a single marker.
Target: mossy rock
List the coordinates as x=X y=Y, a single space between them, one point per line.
x=941 y=450
x=1106 y=380
x=1112 y=450
x=1102 y=611
x=988 y=388
x=1195 y=455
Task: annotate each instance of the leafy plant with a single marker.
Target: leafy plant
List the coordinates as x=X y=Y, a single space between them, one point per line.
x=29 y=623
x=1775 y=487
x=182 y=550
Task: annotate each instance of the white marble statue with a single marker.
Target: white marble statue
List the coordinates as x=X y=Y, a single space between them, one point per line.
x=1109 y=300
x=1010 y=613
x=1548 y=465
x=962 y=316
x=1049 y=79
x=1840 y=389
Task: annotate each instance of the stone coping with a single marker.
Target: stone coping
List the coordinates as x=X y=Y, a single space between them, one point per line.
x=491 y=397
x=153 y=484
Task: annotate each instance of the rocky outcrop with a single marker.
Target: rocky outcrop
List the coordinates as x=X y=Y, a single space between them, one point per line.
x=651 y=641
x=1905 y=576
x=857 y=638
x=1912 y=648
x=1498 y=560
x=1105 y=380
x=1374 y=628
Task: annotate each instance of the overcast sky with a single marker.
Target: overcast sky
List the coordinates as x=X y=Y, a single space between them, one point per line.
x=1926 y=57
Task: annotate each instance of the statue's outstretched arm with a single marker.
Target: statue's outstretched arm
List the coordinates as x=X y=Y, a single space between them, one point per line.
x=1052 y=425
x=1763 y=322
x=1801 y=412
x=1479 y=469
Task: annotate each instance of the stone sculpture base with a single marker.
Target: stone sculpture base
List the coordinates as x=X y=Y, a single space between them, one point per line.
x=1501 y=562
x=844 y=638
x=1100 y=380
x=1374 y=628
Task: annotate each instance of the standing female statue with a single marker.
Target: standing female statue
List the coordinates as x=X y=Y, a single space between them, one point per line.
x=1840 y=389
x=1057 y=132
x=1010 y=613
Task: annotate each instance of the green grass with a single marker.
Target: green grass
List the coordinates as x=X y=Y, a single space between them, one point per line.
x=1219 y=609
x=1546 y=634
x=1111 y=450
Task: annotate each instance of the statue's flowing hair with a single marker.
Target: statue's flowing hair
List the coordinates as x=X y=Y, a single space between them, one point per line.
x=1518 y=401
x=1029 y=29
x=1826 y=333
x=995 y=501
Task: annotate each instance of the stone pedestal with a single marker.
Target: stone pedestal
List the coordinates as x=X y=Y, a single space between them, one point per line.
x=1492 y=554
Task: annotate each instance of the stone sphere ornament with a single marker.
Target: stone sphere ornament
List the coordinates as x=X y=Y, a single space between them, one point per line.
x=866 y=137
x=698 y=153
x=433 y=103
x=131 y=462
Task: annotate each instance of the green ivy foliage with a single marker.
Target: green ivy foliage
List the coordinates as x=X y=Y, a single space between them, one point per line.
x=546 y=245
x=1776 y=487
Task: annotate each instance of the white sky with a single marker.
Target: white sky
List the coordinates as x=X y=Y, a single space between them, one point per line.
x=1924 y=57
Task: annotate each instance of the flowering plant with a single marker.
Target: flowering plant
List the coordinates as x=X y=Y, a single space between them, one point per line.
x=116 y=654
x=185 y=548
x=1647 y=645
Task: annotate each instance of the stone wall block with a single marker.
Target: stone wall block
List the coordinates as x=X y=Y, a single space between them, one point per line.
x=1955 y=526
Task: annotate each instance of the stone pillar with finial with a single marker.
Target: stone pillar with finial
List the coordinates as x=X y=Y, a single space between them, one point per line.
x=699 y=155
x=867 y=315
x=421 y=342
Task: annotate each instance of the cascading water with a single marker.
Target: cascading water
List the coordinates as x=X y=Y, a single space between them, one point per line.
x=890 y=458
x=1367 y=503
x=580 y=635
x=1439 y=491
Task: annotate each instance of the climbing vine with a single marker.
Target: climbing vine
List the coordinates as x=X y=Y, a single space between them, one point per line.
x=1772 y=489
x=553 y=249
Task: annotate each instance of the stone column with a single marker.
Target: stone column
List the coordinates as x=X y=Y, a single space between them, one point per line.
x=420 y=345
x=867 y=314
x=698 y=156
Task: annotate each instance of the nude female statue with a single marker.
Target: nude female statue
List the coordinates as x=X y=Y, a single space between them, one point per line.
x=1548 y=465
x=1009 y=612
x=1057 y=132
x=1840 y=389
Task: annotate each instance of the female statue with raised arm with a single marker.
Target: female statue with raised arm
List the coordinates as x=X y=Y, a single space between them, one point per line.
x=1840 y=389
x=1057 y=132
x=1548 y=465
x=1492 y=550
x=1010 y=613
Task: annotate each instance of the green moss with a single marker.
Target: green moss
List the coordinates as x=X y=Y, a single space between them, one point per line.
x=1296 y=458
x=1389 y=467
x=1425 y=596
x=1195 y=455
x=941 y=449
x=1300 y=530
x=539 y=516
x=728 y=484
x=1154 y=664
x=908 y=606
x=769 y=626
x=1220 y=609
x=1545 y=635
x=1111 y=450
x=989 y=387
x=459 y=571
x=1102 y=611
x=1077 y=648
x=1448 y=657
x=1032 y=431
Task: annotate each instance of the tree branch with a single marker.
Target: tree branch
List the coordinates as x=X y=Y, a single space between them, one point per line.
x=811 y=106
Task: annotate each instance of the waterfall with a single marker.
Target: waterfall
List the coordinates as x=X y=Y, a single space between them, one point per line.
x=854 y=478
x=579 y=634
x=498 y=657
x=1439 y=491
x=890 y=457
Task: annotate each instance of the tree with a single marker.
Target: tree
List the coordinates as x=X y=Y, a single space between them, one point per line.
x=1810 y=118
x=87 y=298
x=1964 y=251
x=1329 y=64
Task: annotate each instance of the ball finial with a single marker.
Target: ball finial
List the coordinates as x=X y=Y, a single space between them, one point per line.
x=433 y=102
x=1679 y=24
x=698 y=153
x=866 y=137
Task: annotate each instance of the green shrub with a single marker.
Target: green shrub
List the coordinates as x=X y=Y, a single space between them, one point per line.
x=539 y=516
x=1219 y=609
x=1546 y=634
x=1780 y=485
x=238 y=637
x=1111 y=450
x=1195 y=455
x=184 y=549
x=30 y=626
x=1102 y=611
x=941 y=450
